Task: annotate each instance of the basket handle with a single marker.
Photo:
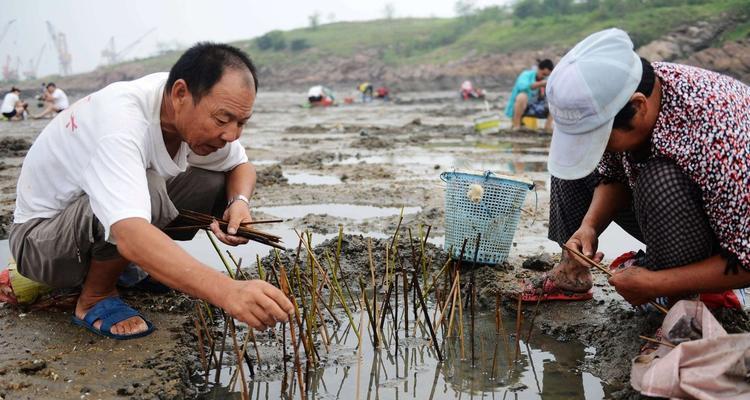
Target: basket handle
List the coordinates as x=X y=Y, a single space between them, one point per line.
x=444 y=176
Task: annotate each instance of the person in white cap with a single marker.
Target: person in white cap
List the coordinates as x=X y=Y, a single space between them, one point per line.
x=663 y=150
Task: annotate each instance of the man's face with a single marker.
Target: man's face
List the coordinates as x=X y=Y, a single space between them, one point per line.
x=219 y=116
x=543 y=74
x=51 y=89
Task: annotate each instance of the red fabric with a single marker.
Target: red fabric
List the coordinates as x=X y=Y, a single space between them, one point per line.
x=718 y=300
x=617 y=262
x=6 y=290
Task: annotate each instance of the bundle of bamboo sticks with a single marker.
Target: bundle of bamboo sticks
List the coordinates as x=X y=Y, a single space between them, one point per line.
x=202 y=221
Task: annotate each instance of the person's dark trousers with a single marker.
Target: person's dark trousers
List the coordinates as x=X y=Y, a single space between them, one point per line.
x=666 y=214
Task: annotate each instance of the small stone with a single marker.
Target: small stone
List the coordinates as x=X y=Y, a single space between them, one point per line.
x=85 y=389
x=30 y=367
x=539 y=262
x=126 y=391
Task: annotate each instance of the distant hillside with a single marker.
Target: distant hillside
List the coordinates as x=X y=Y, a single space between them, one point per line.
x=489 y=46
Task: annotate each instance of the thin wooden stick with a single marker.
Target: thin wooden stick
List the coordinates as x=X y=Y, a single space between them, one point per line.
x=221 y=352
x=427 y=317
x=652 y=340
x=204 y=364
x=606 y=271
x=536 y=311
x=239 y=360
x=461 y=323
x=375 y=326
x=519 y=315
x=286 y=289
x=473 y=294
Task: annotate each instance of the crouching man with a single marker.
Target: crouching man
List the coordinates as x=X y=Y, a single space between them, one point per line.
x=109 y=173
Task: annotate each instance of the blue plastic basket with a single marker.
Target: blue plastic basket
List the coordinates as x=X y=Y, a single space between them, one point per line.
x=495 y=215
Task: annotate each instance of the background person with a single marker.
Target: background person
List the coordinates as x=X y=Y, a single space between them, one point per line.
x=55 y=101
x=528 y=98
x=12 y=107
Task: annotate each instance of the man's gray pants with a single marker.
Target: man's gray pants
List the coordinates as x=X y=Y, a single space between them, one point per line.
x=58 y=251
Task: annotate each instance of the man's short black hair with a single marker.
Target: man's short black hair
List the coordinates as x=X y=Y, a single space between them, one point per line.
x=15 y=89
x=202 y=65
x=51 y=84
x=546 y=64
x=646 y=86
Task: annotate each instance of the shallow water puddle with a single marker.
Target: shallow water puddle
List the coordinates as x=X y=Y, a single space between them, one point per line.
x=265 y=162
x=200 y=247
x=544 y=369
x=303 y=178
x=519 y=163
x=351 y=211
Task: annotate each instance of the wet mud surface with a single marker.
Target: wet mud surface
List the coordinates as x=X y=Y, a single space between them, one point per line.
x=386 y=156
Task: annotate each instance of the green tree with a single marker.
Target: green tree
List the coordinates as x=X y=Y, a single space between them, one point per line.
x=314 y=19
x=299 y=45
x=272 y=40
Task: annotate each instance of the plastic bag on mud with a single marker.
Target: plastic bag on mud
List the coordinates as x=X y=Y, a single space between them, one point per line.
x=707 y=363
x=17 y=289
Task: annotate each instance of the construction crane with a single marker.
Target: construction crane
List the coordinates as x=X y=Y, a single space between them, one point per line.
x=10 y=73
x=112 y=56
x=5 y=29
x=30 y=72
x=61 y=45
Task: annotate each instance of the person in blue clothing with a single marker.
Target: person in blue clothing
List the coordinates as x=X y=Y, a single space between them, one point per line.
x=527 y=97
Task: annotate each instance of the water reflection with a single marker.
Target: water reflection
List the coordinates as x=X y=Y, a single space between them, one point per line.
x=545 y=369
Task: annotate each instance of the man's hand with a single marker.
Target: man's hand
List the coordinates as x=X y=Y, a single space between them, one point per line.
x=634 y=284
x=257 y=303
x=237 y=213
x=586 y=241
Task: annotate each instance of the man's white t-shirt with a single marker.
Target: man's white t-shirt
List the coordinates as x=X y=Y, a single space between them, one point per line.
x=60 y=99
x=9 y=102
x=102 y=146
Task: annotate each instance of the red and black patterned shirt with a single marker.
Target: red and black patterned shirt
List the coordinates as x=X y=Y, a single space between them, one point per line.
x=704 y=127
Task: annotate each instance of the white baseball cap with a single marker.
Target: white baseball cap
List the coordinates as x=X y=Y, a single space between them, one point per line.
x=589 y=86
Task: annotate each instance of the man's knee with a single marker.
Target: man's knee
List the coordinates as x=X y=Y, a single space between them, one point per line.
x=522 y=99
x=210 y=181
x=199 y=190
x=162 y=209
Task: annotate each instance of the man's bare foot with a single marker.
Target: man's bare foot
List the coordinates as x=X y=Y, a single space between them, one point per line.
x=571 y=275
x=130 y=326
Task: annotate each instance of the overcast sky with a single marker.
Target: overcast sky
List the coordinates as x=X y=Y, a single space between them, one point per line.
x=88 y=24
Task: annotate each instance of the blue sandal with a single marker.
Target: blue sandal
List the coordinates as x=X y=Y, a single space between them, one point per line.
x=111 y=311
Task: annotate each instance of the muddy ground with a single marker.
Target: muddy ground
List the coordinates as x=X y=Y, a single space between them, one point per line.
x=384 y=155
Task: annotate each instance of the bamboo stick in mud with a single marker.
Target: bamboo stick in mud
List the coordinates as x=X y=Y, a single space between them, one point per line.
x=314 y=261
x=245 y=394
x=536 y=311
x=219 y=365
x=519 y=319
x=427 y=317
x=201 y=350
x=375 y=328
x=473 y=294
x=286 y=289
